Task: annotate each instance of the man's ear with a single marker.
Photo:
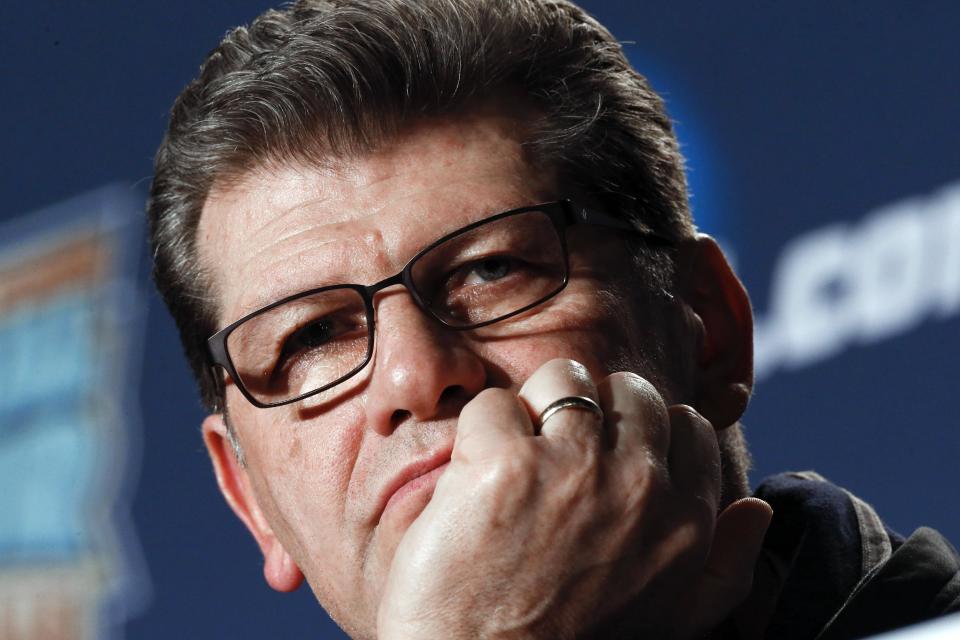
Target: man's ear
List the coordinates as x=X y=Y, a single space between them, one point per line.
x=279 y=568
x=724 y=376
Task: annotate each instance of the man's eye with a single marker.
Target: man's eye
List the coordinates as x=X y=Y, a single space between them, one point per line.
x=308 y=337
x=488 y=270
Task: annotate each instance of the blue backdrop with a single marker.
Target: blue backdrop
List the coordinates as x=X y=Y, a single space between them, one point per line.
x=823 y=147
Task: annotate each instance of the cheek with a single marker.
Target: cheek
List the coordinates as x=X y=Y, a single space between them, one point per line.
x=303 y=464
x=584 y=323
x=301 y=472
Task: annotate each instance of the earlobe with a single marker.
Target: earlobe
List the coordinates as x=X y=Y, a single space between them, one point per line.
x=724 y=364
x=279 y=568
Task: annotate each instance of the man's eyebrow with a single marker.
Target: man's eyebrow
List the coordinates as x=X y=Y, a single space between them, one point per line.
x=336 y=267
x=266 y=296
x=277 y=291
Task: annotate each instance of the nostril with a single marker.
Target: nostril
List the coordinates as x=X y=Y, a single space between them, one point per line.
x=398 y=417
x=450 y=393
x=449 y=403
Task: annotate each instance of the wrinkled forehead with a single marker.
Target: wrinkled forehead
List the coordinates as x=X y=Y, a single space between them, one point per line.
x=266 y=227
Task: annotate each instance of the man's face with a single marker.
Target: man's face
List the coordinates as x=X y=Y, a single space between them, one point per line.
x=329 y=478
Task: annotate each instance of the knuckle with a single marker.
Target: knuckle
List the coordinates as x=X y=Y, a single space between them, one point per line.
x=641 y=388
x=687 y=416
x=626 y=379
x=568 y=376
x=515 y=468
x=485 y=401
x=633 y=394
x=493 y=395
x=684 y=412
x=508 y=483
x=563 y=366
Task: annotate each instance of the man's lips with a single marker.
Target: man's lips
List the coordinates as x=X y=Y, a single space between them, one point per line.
x=421 y=473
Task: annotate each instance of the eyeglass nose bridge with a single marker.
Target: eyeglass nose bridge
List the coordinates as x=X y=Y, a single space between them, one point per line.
x=404 y=278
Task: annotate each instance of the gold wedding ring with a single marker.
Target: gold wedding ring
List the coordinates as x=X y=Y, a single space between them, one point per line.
x=571 y=402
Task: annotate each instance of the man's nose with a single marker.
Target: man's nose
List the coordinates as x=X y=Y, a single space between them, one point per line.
x=421 y=369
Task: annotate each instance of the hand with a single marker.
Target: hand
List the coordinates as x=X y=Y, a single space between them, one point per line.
x=591 y=524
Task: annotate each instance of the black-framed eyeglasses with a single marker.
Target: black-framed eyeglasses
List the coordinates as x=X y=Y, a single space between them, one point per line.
x=488 y=271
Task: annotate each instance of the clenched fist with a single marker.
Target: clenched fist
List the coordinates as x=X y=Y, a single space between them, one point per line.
x=582 y=524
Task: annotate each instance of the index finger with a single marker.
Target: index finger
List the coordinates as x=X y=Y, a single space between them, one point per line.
x=491 y=419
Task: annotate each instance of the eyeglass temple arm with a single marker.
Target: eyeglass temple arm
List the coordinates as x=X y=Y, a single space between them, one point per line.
x=586 y=215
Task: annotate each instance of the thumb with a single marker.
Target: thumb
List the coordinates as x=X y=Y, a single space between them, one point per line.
x=728 y=575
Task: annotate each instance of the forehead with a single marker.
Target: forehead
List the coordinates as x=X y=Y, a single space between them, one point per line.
x=292 y=226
